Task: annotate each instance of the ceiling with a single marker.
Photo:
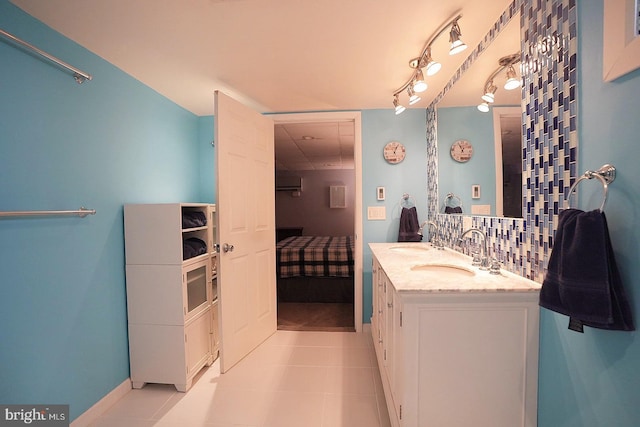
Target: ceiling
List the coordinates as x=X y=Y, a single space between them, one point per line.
x=275 y=55
x=314 y=146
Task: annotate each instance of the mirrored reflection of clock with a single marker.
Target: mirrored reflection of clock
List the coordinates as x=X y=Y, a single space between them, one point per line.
x=461 y=151
x=394 y=152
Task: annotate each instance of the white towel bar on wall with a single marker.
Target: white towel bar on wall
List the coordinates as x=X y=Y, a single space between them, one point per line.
x=82 y=212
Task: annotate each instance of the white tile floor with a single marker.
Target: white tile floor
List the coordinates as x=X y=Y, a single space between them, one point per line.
x=311 y=379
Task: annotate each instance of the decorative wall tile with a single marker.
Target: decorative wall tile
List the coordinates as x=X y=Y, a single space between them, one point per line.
x=549 y=94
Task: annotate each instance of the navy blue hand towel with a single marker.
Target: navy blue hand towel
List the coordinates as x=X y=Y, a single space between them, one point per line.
x=409 y=226
x=582 y=279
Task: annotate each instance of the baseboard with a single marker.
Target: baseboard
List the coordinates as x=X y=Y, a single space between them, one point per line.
x=100 y=407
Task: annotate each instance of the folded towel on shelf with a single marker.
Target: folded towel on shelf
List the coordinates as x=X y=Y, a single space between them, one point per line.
x=193 y=247
x=409 y=226
x=193 y=219
x=582 y=279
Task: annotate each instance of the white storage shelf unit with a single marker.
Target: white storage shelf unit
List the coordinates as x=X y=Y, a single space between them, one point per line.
x=169 y=299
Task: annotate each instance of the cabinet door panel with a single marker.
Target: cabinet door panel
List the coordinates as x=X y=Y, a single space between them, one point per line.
x=198 y=342
x=154 y=294
x=472 y=357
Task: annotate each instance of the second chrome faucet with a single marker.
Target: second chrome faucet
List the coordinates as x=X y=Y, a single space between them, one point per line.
x=484 y=260
x=433 y=238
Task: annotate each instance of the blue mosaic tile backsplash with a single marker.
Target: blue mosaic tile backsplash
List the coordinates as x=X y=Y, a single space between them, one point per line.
x=549 y=153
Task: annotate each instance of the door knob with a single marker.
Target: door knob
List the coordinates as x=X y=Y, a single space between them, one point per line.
x=227 y=248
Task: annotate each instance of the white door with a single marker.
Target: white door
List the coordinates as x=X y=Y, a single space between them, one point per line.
x=246 y=228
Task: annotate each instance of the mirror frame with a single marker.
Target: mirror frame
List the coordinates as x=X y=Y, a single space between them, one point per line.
x=550 y=142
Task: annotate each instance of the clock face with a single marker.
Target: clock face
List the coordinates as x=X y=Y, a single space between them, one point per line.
x=394 y=152
x=461 y=151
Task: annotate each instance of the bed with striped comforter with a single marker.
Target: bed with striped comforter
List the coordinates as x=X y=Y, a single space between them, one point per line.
x=315 y=256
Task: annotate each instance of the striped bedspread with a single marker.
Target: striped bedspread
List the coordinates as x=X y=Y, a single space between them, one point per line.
x=317 y=256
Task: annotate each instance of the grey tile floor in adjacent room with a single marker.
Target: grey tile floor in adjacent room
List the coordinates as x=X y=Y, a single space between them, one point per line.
x=295 y=378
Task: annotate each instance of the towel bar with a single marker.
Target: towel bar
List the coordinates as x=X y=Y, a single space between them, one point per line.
x=606 y=174
x=82 y=212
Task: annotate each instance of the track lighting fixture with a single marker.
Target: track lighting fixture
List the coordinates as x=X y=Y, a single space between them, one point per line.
x=396 y=103
x=513 y=82
x=413 y=98
x=416 y=83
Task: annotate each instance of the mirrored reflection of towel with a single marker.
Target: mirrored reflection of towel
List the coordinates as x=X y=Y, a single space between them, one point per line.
x=409 y=226
x=452 y=204
x=582 y=280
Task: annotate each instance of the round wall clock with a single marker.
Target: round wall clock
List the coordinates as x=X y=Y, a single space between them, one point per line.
x=394 y=152
x=461 y=151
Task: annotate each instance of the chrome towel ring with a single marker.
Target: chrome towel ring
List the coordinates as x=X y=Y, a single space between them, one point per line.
x=606 y=174
x=451 y=200
x=407 y=201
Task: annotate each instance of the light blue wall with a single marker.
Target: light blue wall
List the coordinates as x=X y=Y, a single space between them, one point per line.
x=468 y=123
x=378 y=128
x=63 y=145
x=593 y=379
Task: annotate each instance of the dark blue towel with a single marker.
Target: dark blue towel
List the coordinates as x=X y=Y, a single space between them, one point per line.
x=192 y=247
x=451 y=210
x=193 y=219
x=582 y=280
x=409 y=225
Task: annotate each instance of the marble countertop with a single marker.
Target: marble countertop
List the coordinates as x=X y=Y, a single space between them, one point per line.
x=397 y=260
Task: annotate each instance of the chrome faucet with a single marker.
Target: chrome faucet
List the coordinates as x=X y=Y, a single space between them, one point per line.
x=435 y=238
x=484 y=262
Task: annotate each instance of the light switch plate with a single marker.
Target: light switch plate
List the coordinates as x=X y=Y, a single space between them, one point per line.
x=376 y=213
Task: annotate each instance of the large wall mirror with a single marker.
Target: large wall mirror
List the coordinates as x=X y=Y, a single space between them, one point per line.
x=490 y=182
x=549 y=155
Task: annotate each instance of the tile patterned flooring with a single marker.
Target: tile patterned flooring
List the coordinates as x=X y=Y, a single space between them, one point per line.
x=295 y=378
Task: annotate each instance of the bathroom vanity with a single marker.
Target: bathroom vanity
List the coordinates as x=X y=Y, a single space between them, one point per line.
x=456 y=346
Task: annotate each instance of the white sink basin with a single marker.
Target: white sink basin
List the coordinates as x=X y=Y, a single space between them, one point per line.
x=444 y=269
x=409 y=249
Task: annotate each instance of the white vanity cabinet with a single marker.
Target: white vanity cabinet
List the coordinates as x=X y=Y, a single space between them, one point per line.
x=170 y=299
x=456 y=358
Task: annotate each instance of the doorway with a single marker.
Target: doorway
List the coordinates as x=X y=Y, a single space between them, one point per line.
x=315 y=184
x=508 y=154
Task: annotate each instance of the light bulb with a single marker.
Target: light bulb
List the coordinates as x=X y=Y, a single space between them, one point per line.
x=419 y=85
x=396 y=103
x=484 y=107
x=513 y=82
x=489 y=97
